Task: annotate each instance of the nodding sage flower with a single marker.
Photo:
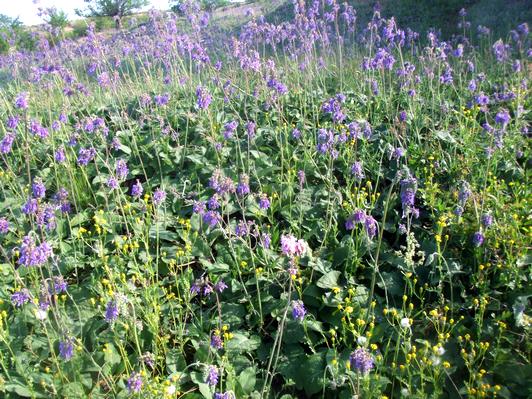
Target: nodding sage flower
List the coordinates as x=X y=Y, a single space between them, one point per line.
x=137 y=189
x=357 y=170
x=38 y=188
x=243 y=185
x=7 y=143
x=250 y=128
x=408 y=194
x=212 y=376
x=121 y=169
x=371 y=226
x=134 y=383
x=85 y=156
x=296 y=134
x=199 y=207
x=59 y=155
x=4 y=226
x=12 y=122
x=21 y=101
x=487 y=220
x=502 y=118
x=361 y=361
x=212 y=218
x=112 y=183
x=478 y=239
x=230 y=129
x=32 y=254
x=359 y=216
x=264 y=202
x=20 y=297
x=30 y=207
x=298 y=310
x=159 y=196
x=220 y=286
x=216 y=341
x=203 y=98
x=66 y=349
x=111 y=311
x=265 y=240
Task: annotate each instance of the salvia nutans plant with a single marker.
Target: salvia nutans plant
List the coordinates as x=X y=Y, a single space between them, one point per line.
x=318 y=208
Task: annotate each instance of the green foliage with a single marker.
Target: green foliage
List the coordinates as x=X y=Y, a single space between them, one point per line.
x=57 y=18
x=113 y=8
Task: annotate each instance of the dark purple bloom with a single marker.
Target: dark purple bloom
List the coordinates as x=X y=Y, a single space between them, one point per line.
x=487 y=220
x=162 y=100
x=220 y=286
x=216 y=342
x=121 y=169
x=112 y=183
x=276 y=85
x=212 y=376
x=250 y=128
x=12 y=122
x=19 y=298
x=371 y=226
x=134 y=383
x=111 y=311
x=60 y=156
x=58 y=285
x=4 y=226
x=85 y=156
x=500 y=50
x=402 y=116
x=502 y=117
x=159 y=196
x=30 y=207
x=243 y=185
x=195 y=288
x=212 y=218
x=21 y=101
x=199 y=207
x=265 y=240
x=213 y=202
x=229 y=129
x=7 y=143
x=264 y=202
x=298 y=310
x=361 y=361
x=137 y=189
x=38 y=130
x=478 y=239
x=359 y=216
x=38 y=188
x=203 y=98
x=408 y=194
x=32 y=254
x=66 y=349
x=398 y=153
x=357 y=170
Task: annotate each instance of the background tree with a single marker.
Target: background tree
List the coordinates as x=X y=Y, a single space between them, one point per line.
x=13 y=34
x=113 y=8
x=57 y=19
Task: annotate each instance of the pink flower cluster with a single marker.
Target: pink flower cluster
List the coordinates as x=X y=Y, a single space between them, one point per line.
x=292 y=247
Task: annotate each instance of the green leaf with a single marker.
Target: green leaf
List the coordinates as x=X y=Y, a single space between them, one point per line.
x=73 y=390
x=247 y=380
x=329 y=280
